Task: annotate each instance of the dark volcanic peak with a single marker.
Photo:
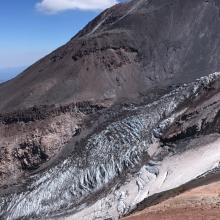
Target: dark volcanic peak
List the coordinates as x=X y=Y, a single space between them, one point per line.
x=130 y=50
x=115 y=120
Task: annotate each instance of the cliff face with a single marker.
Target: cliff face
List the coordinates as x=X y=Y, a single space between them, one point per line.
x=131 y=50
x=125 y=113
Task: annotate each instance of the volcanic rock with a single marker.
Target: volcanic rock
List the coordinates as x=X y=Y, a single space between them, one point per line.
x=131 y=51
x=124 y=114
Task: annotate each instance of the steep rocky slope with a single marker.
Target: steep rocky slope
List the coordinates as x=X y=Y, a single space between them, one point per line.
x=124 y=114
x=33 y=136
x=129 y=51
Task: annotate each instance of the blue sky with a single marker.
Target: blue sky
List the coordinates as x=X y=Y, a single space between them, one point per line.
x=30 y=29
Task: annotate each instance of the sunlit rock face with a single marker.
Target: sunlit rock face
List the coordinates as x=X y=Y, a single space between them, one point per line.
x=127 y=110
x=129 y=157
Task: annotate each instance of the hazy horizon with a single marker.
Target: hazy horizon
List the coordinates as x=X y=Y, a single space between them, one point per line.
x=31 y=30
x=9 y=73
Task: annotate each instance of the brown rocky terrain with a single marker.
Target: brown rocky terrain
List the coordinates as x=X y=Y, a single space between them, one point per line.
x=201 y=203
x=33 y=136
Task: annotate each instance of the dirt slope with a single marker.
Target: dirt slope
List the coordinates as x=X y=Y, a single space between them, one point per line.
x=202 y=203
x=132 y=51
